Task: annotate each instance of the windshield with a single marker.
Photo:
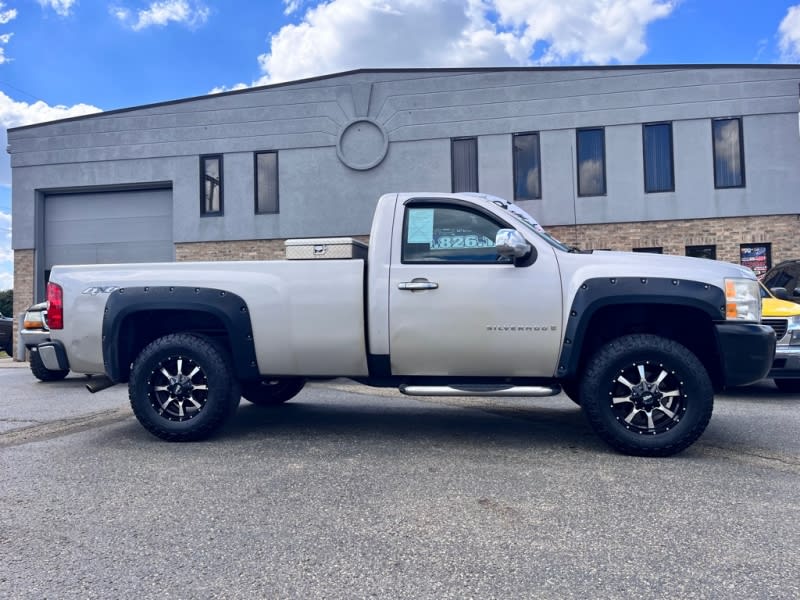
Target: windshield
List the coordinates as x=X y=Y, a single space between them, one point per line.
x=534 y=226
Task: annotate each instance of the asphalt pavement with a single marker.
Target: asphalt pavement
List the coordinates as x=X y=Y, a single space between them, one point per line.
x=351 y=492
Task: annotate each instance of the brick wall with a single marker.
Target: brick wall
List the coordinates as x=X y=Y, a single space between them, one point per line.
x=23 y=285
x=673 y=236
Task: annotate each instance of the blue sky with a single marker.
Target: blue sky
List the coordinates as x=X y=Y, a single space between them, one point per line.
x=62 y=58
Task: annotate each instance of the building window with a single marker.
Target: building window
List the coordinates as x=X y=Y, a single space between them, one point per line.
x=659 y=174
x=527 y=163
x=756 y=256
x=728 y=153
x=464 y=158
x=650 y=250
x=266 y=166
x=702 y=252
x=591 y=162
x=211 y=185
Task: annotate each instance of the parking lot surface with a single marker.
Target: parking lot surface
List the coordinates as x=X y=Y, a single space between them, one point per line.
x=350 y=492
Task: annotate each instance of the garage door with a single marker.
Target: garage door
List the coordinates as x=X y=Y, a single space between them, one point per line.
x=108 y=227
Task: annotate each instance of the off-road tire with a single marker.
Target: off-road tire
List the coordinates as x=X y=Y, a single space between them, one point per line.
x=187 y=408
x=41 y=372
x=665 y=417
x=272 y=392
x=788 y=386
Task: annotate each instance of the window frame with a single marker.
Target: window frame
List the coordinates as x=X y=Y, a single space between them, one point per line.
x=434 y=204
x=648 y=250
x=712 y=247
x=453 y=164
x=277 y=183
x=514 y=162
x=671 y=157
x=741 y=152
x=578 y=131
x=203 y=211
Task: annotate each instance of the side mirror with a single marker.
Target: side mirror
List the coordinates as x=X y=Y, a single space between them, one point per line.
x=780 y=293
x=510 y=243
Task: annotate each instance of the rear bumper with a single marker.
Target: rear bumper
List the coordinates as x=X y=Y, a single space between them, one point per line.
x=33 y=337
x=53 y=356
x=747 y=351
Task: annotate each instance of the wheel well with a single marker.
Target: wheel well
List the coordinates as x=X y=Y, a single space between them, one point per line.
x=139 y=329
x=688 y=326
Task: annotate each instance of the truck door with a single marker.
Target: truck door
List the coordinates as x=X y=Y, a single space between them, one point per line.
x=457 y=308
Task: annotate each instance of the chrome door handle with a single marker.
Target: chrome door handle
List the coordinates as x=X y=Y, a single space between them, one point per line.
x=417 y=284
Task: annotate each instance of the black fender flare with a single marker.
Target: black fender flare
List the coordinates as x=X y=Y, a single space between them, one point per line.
x=228 y=308
x=594 y=294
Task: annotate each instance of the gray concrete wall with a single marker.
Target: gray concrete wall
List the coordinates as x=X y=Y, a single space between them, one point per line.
x=419 y=112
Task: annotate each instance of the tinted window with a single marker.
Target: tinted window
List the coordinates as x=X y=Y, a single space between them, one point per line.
x=728 y=153
x=658 y=168
x=591 y=145
x=449 y=234
x=527 y=174
x=702 y=252
x=266 y=182
x=464 y=156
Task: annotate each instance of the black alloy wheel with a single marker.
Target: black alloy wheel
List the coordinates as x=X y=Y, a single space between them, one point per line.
x=183 y=387
x=646 y=395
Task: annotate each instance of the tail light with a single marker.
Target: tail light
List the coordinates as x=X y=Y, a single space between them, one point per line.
x=55 y=306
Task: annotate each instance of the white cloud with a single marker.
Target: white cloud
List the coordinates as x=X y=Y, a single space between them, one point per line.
x=62 y=7
x=7 y=15
x=340 y=35
x=4 y=39
x=789 y=31
x=291 y=6
x=190 y=13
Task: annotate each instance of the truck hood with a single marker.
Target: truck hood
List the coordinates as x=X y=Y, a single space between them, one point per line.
x=576 y=267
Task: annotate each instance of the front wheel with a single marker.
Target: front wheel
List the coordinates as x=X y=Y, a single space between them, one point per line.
x=182 y=387
x=271 y=392
x=646 y=395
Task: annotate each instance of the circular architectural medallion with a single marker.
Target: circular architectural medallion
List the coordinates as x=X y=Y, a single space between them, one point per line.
x=362 y=144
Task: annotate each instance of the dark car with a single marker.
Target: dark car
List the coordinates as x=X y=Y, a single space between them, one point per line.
x=6 y=333
x=784 y=275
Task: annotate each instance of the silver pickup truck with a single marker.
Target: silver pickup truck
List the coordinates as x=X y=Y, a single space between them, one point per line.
x=457 y=294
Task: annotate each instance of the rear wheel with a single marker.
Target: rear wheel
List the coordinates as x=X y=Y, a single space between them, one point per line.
x=790 y=386
x=182 y=387
x=41 y=372
x=646 y=395
x=271 y=392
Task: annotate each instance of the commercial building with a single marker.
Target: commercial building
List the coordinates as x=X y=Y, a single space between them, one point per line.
x=700 y=160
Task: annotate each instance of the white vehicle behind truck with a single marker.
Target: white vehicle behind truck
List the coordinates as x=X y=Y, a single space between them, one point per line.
x=459 y=294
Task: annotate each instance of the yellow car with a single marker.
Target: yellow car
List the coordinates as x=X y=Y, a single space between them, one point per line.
x=784 y=318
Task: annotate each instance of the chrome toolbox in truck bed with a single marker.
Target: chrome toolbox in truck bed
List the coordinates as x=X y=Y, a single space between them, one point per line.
x=325 y=248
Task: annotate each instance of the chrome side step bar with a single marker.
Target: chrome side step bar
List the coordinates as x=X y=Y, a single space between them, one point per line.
x=518 y=391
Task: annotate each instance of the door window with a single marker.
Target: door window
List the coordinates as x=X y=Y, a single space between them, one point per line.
x=451 y=235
